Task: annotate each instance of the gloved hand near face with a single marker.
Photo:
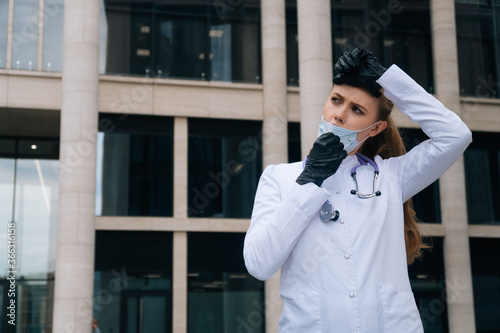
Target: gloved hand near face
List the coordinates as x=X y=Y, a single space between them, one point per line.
x=323 y=160
x=359 y=68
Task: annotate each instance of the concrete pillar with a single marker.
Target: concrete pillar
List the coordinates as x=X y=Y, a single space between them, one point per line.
x=315 y=66
x=452 y=183
x=179 y=279
x=10 y=35
x=179 y=282
x=74 y=277
x=274 y=130
x=275 y=124
x=41 y=28
x=180 y=168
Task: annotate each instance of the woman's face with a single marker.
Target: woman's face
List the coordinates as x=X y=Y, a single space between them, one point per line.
x=354 y=109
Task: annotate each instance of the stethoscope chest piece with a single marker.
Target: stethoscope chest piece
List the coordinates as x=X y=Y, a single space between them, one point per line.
x=327 y=213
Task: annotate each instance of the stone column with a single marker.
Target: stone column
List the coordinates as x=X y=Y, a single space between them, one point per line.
x=275 y=124
x=10 y=35
x=179 y=294
x=179 y=279
x=452 y=184
x=74 y=278
x=315 y=66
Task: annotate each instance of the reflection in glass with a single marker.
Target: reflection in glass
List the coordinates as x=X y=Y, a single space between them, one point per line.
x=225 y=163
x=177 y=40
x=222 y=296
x=25 y=35
x=133 y=281
x=478 y=42
x=486 y=283
x=292 y=44
x=36 y=217
x=427 y=280
x=7 y=174
x=4 y=11
x=53 y=37
x=294 y=153
x=398 y=34
x=29 y=196
x=426 y=203
x=482 y=178
x=134 y=166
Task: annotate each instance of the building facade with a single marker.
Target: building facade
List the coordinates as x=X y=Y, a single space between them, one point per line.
x=133 y=135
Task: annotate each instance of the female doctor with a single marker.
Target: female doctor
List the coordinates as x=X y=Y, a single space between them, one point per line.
x=340 y=224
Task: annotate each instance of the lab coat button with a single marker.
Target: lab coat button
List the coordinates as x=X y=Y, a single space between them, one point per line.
x=341 y=221
x=351 y=295
x=338 y=191
x=347 y=256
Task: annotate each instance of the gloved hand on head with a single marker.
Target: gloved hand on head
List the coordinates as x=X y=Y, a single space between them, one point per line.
x=359 y=68
x=323 y=160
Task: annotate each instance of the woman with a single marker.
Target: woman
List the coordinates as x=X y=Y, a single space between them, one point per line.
x=343 y=241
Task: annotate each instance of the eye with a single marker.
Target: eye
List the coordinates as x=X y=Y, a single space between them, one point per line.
x=335 y=99
x=357 y=110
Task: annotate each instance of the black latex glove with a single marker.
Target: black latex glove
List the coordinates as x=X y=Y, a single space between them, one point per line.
x=359 y=68
x=323 y=160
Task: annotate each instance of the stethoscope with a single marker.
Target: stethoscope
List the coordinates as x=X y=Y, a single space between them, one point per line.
x=327 y=212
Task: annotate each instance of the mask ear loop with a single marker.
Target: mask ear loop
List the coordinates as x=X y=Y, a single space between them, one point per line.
x=360 y=142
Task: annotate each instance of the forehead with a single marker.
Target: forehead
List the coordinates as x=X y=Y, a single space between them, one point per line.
x=356 y=95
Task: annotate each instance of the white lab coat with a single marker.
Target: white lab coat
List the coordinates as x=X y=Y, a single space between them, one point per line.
x=351 y=275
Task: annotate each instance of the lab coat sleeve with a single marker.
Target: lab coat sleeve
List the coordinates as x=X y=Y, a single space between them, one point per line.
x=449 y=136
x=278 y=220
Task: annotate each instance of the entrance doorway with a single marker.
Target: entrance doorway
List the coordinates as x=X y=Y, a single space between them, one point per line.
x=145 y=311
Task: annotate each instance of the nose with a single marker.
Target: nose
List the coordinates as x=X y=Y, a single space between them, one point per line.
x=340 y=115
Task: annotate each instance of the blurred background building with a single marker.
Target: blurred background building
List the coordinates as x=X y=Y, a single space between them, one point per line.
x=133 y=134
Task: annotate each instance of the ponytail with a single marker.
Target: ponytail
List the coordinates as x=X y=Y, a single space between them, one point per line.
x=386 y=144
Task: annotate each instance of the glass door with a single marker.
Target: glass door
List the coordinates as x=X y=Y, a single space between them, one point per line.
x=145 y=312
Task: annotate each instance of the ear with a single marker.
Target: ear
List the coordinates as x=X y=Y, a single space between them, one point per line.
x=382 y=125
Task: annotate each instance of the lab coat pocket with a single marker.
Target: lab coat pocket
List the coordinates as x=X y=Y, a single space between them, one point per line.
x=301 y=313
x=400 y=311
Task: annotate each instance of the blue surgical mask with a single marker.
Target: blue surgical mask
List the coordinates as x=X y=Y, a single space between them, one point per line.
x=347 y=137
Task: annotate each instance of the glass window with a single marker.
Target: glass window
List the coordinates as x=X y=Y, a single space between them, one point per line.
x=225 y=164
x=134 y=165
x=396 y=32
x=292 y=44
x=294 y=153
x=482 y=178
x=25 y=35
x=29 y=193
x=4 y=11
x=222 y=296
x=203 y=40
x=486 y=283
x=428 y=282
x=133 y=281
x=426 y=202
x=478 y=42
x=53 y=36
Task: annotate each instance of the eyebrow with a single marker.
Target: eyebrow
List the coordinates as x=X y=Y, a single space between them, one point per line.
x=356 y=104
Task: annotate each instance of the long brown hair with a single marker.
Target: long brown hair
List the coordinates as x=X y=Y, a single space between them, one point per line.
x=389 y=143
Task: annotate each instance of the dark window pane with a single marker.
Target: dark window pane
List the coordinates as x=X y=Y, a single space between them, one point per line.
x=201 y=40
x=292 y=46
x=133 y=281
x=486 y=283
x=426 y=202
x=222 y=296
x=396 y=34
x=225 y=163
x=294 y=153
x=429 y=288
x=135 y=166
x=478 y=42
x=482 y=178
